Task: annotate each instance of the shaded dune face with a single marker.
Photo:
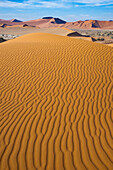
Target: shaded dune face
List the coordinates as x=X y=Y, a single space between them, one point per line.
x=55 y=104
x=2 y=40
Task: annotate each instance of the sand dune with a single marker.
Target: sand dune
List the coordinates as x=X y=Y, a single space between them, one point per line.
x=74 y=34
x=56 y=100
x=48 y=22
x=90 y=24
x=84 y=38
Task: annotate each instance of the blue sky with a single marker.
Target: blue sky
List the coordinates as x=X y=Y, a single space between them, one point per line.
x=69 y=10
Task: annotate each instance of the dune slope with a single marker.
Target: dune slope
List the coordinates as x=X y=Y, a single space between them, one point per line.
x=56 y=104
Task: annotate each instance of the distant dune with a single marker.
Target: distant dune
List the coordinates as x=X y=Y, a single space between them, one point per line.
x=74 y=34
x=77 y=35
x=47 y=22
x=3 y=25
x=56 y=104
x=15 y=20
x=90 y=24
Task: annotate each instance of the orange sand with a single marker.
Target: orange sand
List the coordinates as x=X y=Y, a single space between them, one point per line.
x=56 y=103
x=66 y=29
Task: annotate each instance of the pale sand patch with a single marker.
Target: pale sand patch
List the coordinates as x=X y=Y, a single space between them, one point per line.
x=26 y=30
x=110 y=45
x=83 y=38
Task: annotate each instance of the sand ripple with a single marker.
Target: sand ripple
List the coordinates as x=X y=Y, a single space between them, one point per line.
x=56 y=104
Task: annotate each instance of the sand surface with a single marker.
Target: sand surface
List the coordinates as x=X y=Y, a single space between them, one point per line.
x=110 y=45
x=84 y=38
x=22 y=31
x=56 y=104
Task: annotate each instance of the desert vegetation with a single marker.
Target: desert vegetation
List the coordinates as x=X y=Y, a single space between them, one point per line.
x=101 y=36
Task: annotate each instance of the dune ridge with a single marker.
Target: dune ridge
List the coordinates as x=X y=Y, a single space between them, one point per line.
x=49 y=22
x=56 y=104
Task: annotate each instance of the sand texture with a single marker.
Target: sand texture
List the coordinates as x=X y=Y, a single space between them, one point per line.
x=56 y=104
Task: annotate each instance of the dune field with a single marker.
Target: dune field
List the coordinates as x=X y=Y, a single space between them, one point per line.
x=49 y=22
x=56 y=104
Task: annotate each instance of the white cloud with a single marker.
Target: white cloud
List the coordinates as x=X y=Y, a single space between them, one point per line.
x=53 y=4
x=90 y=2
x=12 y=4
x=32 y=4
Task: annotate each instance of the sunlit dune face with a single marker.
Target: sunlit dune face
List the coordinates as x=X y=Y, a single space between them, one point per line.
x=55 y=104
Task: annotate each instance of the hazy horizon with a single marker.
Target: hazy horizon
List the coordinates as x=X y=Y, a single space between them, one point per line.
x=53 y=17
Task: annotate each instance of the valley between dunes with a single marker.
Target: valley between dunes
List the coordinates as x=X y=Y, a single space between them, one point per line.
x=56 y=104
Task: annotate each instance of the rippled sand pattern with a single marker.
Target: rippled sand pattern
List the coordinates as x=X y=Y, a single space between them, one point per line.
x=56 y=104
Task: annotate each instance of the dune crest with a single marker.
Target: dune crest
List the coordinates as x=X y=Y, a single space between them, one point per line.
x=56 y=104
x=48 y=22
